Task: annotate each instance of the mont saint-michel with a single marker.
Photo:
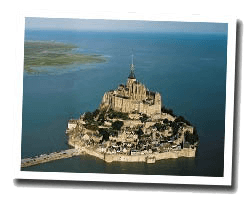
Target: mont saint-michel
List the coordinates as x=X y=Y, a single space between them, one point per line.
x=130 y=125
x=78 y=82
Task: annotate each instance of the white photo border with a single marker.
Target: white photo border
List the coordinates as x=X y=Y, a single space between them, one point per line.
x=226 y=180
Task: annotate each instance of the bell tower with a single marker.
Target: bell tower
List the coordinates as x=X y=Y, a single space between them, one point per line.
x=132 y=69
x=131 y=77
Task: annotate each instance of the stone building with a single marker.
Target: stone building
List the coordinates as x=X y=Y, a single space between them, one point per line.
x=132 y=98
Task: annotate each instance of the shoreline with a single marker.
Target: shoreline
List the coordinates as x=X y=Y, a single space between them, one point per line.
x=108 y=158
x=148 y=158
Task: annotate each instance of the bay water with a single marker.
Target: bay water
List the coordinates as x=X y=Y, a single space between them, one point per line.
x=188 y=69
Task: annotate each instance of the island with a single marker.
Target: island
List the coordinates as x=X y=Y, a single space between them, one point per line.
x=132 y=125
x=41 y=54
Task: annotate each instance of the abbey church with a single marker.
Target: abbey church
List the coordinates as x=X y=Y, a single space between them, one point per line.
x=132 y=98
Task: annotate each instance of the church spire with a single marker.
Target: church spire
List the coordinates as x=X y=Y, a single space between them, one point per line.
x=132 y=69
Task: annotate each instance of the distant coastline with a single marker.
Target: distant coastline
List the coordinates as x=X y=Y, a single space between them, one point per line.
x=41 y=54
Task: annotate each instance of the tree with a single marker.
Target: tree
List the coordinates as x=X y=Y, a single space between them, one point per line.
x=88 y=116
x=191 y=138
x=165 y=121
x=112 y=132
x=166 y=110
x=101 y=118
x=144 y=118
x=139 y=132
x=105 y=134
x=117 y=125
x=179 y=119
x=182 y=119
x=92 y=127
x=115 y=114
x=160 y=127
x=175 y=126
x=96 y=112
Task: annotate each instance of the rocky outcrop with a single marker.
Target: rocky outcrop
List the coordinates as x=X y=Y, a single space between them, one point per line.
x=144 y=134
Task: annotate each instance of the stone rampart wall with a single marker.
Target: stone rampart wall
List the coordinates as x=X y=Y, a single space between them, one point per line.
x=143 y=158
x=124 y=158
x=139 y=158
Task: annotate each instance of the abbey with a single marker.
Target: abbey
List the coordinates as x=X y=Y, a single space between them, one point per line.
x=131 y=125
x=132 y=98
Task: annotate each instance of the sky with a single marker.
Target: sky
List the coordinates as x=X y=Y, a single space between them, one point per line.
x=123 y=25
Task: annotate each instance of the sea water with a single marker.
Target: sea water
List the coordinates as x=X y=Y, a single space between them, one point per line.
x=188 y=69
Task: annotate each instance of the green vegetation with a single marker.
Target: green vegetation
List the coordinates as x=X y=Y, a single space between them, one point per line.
x=101 y=118
x=91 y=124
x=97 y=117
x=88 y=116
x=160 y=127
x=53 y=54
x=93 y=127
x=105 y=134
x=144 y=118
x=96 y=112
x=139 y=133
x=114 y=115
x=168 y=111
x=182 y=119
x=175 y=126
x=165 y=121
x=191 y=138
x=117 y=125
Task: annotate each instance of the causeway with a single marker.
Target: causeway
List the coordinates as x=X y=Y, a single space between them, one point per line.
x=26 y=162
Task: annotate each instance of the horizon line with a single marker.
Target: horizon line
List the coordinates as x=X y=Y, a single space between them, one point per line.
x=123 y=31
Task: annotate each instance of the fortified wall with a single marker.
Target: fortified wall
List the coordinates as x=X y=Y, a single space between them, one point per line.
x=148 y=158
